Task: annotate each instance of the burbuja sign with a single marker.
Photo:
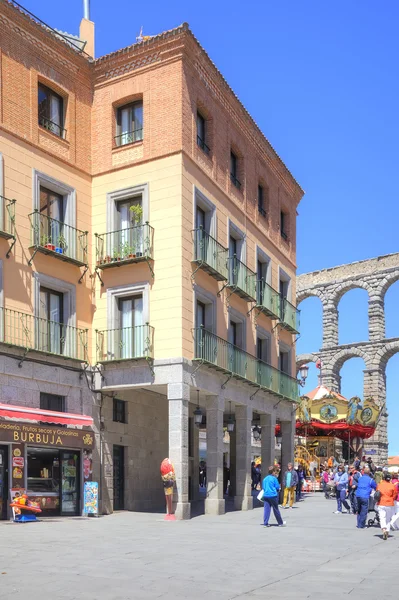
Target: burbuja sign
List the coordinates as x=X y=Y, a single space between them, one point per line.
x=39 y=435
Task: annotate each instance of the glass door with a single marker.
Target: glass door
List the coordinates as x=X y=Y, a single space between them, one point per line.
x=51 y=328
x=119 y=477
x=131 y=330
x=3 y=482
x=70 y=482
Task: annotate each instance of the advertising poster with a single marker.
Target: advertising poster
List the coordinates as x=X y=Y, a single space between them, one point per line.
x=90 y=499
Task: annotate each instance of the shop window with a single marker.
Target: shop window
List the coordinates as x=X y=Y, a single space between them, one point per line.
x=129 y=124
x=52 y=402
x=51 y=111
x=119 y=411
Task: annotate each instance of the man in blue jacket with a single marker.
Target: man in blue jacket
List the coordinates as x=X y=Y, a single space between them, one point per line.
x=341 y=481
x=365 y=485
x=271 y=488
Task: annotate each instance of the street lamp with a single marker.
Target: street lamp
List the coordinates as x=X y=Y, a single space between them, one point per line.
x=256 y=432
x=230 y=422
x=303 y=372
x=198 y=413
x=279 y=439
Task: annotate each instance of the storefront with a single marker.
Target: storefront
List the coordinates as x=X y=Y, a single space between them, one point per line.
x=50 y=462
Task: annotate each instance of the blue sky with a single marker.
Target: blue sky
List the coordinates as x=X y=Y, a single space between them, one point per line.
x=320 y=79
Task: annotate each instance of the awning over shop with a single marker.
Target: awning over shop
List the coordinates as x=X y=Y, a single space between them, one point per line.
x=37 y=415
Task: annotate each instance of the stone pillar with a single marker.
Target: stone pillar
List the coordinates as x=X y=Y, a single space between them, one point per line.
x=233 y=463
x=330 y=325
x=376 y=318
x=287 y=443
x=178 y=399
x=243 y=498
x=214 y=503
x=194 y=457
x=374 y=385
x=268 y=441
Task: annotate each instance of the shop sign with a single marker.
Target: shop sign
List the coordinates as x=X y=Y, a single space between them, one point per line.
x=371 y=451
x=90 y=498
x=43 y=435
x=18 y=461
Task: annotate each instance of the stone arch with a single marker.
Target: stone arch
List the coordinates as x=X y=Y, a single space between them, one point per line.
x=387 y=281
x=305 y=294
x=385 y=353
x=346 y=354
x=303 y=359
x=347 y=286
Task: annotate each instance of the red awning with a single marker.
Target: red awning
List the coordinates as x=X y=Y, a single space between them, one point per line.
x=36 y=415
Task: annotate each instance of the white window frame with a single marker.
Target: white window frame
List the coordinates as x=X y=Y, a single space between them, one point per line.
x=237 y=317
x=209 y=209
x=68 y=192
x=239 y=235
x=210 y=307
x=125 y=194
x=68 y=290
x=263 y=334
x=113 y=295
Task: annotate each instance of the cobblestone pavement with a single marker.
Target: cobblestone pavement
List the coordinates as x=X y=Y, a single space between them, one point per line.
x=133 y=556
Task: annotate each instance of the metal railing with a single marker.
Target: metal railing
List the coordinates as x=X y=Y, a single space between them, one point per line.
x=241 y=278
x=128 y=137
x=217 y=352
x=125 y=343
x=289 y=315
x=235 y=181
x=7 y=217
x=52 y=127
x=262 y=211
x=203 y=146
x=51 y=235
x=208 y=252
x=124 y=245
x=267 y=299
x=34 y=333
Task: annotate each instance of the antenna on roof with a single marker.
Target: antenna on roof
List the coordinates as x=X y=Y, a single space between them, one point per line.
x=86 y=9
x=141 y=37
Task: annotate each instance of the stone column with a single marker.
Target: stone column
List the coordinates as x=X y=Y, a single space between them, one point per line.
x=178 y=399
x=330 y=325
x=233 y=463
x=376 y=318
x=214 y=503
x=374 y=385
x=268 y=441
x=243 y=498
x=287 y=443
x=194 y=458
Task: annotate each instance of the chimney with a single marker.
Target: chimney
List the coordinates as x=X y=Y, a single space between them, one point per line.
x=86 y=29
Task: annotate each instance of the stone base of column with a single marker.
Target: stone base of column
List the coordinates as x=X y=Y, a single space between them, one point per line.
x=183 y=511
x=243 y=502
x=213 y=506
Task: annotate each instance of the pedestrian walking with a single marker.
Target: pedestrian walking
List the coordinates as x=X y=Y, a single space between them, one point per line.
x=271 y=489
x=325 y=480
x=386 y=503
x=253 y=476
x=290 y=483
x=301 y=478
x=354 y=477
x=341 y=481
x=365 y=486
x=395 y=518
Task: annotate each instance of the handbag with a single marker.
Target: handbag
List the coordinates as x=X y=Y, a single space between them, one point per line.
x=260 y=495
x=377 y=496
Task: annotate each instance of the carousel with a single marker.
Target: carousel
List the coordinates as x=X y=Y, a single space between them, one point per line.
x=330 y=425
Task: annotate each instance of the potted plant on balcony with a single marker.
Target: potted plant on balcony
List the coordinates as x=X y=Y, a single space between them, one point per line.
x=137 y=216
x=61 y=244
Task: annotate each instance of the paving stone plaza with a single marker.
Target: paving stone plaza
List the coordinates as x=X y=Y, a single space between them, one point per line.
x=134 y=556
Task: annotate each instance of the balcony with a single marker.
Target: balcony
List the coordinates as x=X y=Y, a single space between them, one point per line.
x=52 y=127
x=129 y=137
x=267 y=299
x=241 y=279
x=289 y=316
x=125 y=246
x=127 y=343
x=34 y=333
x=7 y=218
x=50 y=236
x=221 y=355
x=201 y=144
x=210 y=255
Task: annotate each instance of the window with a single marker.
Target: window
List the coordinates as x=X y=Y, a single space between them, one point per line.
x=199 y=218
x=51 y=217
x=201 y=133
x=52 y=402
x=129 y=124
x=200 y=314
x=128 y=237
x=234 y=170
x=51 y=329
x=263 y=349
x=284 y=361
x=261 y=275
x=119 y=411
x=51 y=111
x=284 y=225
x=261 y=200
x=131 y=331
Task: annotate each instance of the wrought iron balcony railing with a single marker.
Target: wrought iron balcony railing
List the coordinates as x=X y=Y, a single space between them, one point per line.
x=50 y=236
x=52 y=127
x=128 y=137
x=220 y=354
x=125 y=343
x=7 y=218
x=267 y=299
x=241 y=279
x=124 y=246
x=34 y=333
x=210 y=255
x=289 y=316
x=203 y=146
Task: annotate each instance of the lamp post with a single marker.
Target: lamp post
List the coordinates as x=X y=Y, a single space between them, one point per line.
x=256 y=432
x=303 y=372
x=198 y=413
x=230 y=422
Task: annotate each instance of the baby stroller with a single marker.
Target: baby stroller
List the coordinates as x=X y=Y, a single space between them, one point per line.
x=375 y=520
